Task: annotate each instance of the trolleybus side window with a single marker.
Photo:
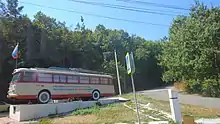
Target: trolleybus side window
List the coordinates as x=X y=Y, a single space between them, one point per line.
x=63 y=78
x=43 y=77
x=29 y=76
x=94 y=80
x=56 y=78
x=84 y=79
x=59 y=78
x=104 y=80
x=73 y=79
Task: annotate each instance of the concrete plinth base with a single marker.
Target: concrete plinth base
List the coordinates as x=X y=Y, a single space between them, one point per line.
x=36 y=111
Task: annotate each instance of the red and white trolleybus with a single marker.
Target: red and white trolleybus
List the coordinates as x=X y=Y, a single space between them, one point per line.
x=44 y=84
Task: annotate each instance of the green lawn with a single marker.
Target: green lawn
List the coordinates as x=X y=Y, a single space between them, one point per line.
x=106 y=115
x=125 y=112
x=195 y=111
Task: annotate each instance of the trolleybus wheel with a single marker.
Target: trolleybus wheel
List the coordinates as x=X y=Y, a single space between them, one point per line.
x=95 y=95
x=44 y=97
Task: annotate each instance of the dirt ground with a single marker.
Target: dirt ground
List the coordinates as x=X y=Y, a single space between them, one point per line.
x=76 y=120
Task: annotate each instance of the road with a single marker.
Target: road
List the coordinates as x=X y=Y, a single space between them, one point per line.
x=162 y=94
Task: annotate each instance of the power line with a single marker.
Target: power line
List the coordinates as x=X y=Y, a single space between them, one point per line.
x=134 y=9
x=122 y=7
x=154 y=4
x=95 y=15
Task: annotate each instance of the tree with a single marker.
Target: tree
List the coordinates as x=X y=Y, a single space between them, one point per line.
x=192 y=50
x=45 y=42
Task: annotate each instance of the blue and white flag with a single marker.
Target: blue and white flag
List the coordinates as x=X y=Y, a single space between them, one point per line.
x=15 y=52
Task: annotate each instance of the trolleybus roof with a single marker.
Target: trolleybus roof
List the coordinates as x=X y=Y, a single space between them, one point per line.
x=64 y=71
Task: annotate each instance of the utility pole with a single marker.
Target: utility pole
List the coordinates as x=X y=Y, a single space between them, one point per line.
x=116 y=64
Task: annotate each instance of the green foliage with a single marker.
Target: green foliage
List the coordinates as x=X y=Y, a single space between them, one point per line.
x=192 y=52
x=45 y=42
x=172 y=122
x=147 y=68
x=194 y=86
x=211 y=87
x=87 y=111
x=45 y=121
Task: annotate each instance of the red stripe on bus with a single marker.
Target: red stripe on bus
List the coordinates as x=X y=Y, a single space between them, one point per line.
x=22 y=96
x=57 y=96
x=70 y=96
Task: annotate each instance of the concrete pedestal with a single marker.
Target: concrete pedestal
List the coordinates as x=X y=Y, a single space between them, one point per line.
x=35 y=111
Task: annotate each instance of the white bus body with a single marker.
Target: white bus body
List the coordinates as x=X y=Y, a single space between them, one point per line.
x=44 y=84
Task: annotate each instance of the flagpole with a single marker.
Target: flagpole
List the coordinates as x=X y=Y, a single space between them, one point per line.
x=16 y=63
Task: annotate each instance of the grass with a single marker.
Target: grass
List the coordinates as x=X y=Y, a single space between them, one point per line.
x=87 y=111
x=43 y=121
x=117 y=113
x=96 y=115
x=192 y=110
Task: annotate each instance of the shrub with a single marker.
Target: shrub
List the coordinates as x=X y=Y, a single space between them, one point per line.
x=211 y=87
x=207 y=87
x=193 y=86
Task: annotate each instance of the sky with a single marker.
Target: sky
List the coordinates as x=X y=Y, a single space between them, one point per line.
x=146 y=30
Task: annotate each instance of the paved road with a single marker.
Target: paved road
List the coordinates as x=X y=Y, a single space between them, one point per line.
x=162 y=94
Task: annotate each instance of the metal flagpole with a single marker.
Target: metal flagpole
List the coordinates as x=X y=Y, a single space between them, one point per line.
x=116 y=64
x=16 y=63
